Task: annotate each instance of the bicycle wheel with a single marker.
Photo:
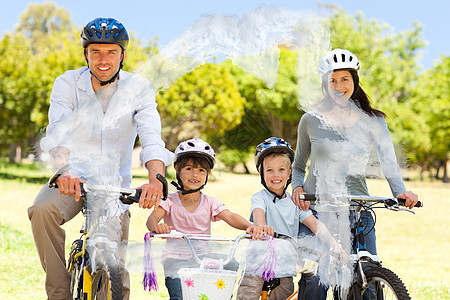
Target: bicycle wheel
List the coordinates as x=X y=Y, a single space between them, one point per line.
x=383 y=284
x=107 y=282
x=75 y=271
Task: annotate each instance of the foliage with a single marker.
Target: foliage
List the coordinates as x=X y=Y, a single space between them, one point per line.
x=433 y=103
x=205 y=102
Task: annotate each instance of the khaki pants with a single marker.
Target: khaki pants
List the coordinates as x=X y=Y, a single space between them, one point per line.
x=49 y=211
x=251 y=287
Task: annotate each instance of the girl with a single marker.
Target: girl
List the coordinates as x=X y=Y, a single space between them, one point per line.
x=190 y=211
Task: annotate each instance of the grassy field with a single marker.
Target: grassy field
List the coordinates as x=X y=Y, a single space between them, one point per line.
x=414 y=246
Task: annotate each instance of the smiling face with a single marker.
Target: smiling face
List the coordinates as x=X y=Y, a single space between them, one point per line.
x=104 y=61
x=340 y=85
x=277 y=169
x=192 y=175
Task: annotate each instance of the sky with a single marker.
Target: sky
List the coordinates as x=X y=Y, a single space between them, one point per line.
x=167 y=19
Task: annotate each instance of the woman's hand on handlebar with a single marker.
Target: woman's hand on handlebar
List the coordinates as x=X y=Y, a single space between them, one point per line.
x=410 y=197
x=151 y=193
x=259 y=232
x=69 y=184
x=303 y=205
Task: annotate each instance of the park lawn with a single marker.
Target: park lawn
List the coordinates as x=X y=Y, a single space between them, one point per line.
x=414 y=246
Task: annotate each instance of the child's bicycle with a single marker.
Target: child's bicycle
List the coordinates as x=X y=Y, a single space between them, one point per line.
x=370 y=279
x=91 y=276
x=209 y=278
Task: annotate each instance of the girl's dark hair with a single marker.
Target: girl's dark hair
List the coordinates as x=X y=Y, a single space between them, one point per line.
x=197 y=160
x=359 y=96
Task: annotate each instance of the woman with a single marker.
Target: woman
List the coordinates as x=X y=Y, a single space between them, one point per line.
x=338 y=136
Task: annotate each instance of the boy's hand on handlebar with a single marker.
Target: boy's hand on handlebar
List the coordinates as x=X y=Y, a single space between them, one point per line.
x=410 y=197
x=303 y=205
x=259 y=232
x=151 y=193
x=69 y=185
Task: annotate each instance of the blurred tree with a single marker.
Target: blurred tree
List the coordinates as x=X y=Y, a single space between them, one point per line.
x=268 y=112
x=203 y=103
x=433 y=101
x=43 y=47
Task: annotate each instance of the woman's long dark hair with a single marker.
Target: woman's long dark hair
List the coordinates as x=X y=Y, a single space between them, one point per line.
x=359 y=96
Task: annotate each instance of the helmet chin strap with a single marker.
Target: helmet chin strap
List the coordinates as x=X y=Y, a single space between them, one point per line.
x=180 y=187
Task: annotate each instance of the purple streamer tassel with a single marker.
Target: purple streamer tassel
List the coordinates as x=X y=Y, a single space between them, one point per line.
x=150 y=281
x=266 y=269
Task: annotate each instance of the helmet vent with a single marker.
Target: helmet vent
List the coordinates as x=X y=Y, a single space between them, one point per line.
x=335 y=58
x=191 y=144
x=343 y=57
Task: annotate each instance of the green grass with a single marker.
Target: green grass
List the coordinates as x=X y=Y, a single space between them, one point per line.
x=414 y=246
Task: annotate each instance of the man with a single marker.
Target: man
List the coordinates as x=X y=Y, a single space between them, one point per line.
x=95 y=114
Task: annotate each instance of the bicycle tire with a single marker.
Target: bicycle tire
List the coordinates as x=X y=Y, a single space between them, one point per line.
x=108 y=278
x=383 y=284
x=74 y=268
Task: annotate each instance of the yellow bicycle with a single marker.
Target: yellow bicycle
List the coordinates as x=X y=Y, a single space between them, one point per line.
x=93 y=261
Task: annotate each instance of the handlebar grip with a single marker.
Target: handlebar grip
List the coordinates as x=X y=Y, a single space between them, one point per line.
x=308 y=197
x=165 y=186
x=138 y=192
x=403 y=201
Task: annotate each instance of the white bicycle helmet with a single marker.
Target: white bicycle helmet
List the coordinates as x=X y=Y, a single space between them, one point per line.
x=197 y=146
x=337 y=59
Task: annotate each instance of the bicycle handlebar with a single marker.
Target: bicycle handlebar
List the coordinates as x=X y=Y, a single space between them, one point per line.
x=127 y=196
x=189 y=237
x=387 y=201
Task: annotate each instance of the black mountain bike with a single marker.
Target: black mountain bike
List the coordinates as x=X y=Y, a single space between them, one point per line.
x=371 y=281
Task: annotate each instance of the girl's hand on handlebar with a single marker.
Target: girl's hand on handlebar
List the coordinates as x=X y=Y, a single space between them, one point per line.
x=303 y=205
x=151 y=194
x=259 y=232
x=410 y=197
x=69 y=184
x=162 y=228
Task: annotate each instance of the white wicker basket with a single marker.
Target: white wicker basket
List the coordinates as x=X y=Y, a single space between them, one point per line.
x=207 y=284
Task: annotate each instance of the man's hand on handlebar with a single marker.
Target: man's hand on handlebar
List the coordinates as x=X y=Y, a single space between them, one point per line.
x=69 y=185
x=151 y=193
x=303 y=205
x=410 y=197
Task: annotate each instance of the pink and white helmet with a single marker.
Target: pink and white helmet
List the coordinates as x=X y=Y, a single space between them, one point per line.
x=337 y=59
x=197 y=146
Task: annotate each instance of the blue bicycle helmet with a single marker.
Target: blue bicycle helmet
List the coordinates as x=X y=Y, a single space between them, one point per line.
x=104 y=31
x=270 y=145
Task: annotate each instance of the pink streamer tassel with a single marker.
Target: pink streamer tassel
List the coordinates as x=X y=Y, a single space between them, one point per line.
x=149 y=281
x=266 y=269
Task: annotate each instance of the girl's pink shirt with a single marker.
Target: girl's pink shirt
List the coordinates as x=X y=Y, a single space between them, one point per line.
x=196 y=222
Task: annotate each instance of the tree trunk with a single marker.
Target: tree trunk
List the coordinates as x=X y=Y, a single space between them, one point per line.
x=247 y=171
x=15 y=153
x=445 y=178
x=437 y=170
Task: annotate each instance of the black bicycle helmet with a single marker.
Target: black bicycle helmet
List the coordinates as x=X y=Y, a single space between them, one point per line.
x=104 y=31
